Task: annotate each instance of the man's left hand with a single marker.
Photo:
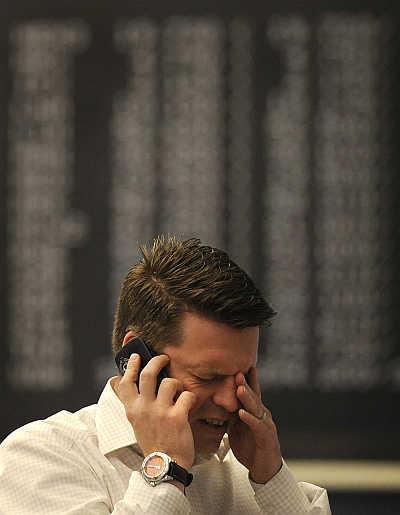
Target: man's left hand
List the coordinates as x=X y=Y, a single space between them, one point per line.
x=253 y=435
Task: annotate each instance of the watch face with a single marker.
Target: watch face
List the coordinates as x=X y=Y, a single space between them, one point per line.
x=155 y=466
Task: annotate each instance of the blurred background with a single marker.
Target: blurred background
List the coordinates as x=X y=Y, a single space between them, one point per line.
x=268 y=129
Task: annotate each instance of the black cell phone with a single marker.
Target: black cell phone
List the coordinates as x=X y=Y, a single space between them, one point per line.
x=138 y=346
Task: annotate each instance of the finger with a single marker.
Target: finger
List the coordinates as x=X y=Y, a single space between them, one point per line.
x=186 y=401
x=148 y=376
x=258 y=425
x=249 y=400
x=128 y=383
x=253 y=381
x=167 y=390
x=249 y=391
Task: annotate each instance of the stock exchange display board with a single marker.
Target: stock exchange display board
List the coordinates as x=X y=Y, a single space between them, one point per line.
x=270 y=131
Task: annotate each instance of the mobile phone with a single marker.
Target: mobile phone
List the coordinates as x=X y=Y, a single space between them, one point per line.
x=138 y=346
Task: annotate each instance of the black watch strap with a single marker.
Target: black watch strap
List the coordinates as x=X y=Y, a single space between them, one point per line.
x=180 y=474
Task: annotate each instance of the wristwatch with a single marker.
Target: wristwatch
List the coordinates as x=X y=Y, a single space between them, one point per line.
x=158 y=467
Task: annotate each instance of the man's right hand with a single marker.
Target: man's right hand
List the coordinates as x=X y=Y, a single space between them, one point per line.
x=160 y=423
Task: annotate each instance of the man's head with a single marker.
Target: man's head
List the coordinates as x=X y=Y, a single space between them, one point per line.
x=177 y=277
x=191 y=302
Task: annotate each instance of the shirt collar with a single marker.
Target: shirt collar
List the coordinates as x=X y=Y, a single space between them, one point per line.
x=114 y=430
x=223 y=448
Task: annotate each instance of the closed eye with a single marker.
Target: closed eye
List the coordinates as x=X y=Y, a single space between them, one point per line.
x=216 y=378
x=207 y=379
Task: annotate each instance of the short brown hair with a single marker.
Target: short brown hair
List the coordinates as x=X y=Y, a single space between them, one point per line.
x=174 y=277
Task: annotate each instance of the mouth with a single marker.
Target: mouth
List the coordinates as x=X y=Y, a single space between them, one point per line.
x=214 y=424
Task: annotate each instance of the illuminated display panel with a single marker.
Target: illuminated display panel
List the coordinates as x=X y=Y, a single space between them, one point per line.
x=271 y=134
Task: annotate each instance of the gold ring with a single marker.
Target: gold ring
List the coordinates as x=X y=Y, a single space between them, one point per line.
x=264 y=416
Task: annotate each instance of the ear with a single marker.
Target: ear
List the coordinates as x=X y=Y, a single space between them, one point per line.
x=128 y=337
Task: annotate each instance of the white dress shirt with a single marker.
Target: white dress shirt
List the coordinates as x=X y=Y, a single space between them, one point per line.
x=88 y=462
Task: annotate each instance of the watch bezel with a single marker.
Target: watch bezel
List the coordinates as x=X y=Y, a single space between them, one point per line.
x=163 y=475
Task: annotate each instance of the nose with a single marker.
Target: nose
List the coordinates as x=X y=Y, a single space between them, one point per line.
x=225 y=394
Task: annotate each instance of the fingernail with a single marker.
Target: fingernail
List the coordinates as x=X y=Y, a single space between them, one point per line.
x=133 y=357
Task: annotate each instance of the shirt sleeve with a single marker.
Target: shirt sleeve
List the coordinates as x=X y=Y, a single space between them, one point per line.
x=282 y=495
x=141 y=497
x=39 y=475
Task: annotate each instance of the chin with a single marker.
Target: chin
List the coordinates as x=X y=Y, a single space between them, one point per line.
x=206 y=440
x=207 y=448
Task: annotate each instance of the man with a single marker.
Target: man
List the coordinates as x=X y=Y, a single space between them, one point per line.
x=204 y=442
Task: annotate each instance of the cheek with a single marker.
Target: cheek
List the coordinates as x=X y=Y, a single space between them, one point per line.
x=203 y=393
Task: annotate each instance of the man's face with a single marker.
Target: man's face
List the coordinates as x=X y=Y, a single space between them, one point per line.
x=206 y=362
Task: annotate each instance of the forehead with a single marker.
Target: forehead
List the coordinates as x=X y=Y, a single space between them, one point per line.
x=215 y=347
